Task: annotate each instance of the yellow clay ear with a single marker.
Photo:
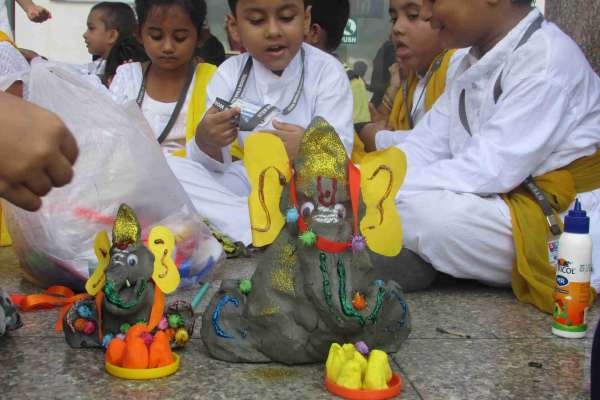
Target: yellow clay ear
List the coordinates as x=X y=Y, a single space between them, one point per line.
x=381 y=175
x=268 y=168
x=102 y=249
x=161 y=243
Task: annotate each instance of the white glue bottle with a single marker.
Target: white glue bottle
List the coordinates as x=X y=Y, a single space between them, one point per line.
x=572 y=286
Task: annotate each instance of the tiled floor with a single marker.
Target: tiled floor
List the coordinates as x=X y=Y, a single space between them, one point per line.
x=487 y=353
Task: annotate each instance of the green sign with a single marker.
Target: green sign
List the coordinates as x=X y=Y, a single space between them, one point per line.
x=350 y=32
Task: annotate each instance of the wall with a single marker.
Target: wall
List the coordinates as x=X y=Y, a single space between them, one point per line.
x=580 y=19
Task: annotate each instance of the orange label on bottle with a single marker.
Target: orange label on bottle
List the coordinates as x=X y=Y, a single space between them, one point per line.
x=571 y=297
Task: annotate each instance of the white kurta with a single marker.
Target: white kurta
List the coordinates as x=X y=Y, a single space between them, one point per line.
x=125 y=88
x=547 y=116
x=13 y=66
x=219 y=190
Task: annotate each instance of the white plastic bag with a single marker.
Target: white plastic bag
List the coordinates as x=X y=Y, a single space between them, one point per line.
x=119 y=162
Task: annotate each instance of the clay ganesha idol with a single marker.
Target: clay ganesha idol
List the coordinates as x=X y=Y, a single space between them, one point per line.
x=127 y=287
x=315 y=284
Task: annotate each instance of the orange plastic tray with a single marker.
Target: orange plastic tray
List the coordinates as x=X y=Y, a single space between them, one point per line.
x=394 y=389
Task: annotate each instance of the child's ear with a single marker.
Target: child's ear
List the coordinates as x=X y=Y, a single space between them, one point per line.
x=232 y=27
x=113 y=36
x=314 y=35
x=307 y=20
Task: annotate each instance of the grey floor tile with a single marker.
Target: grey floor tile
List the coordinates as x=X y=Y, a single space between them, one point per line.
x=472 y=309
x=497 y=369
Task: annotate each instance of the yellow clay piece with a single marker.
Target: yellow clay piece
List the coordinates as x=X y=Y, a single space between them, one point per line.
x=362 y=361
x=102 y=250
x=161 y=243
x=334 y=363
x=379 y=372
x=350 y=376
x=346 y=367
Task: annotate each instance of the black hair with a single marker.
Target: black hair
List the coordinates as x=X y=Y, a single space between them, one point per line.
x=211 y=51
x=125 y=49
x=196 y=9
x=332 y=16
x=118 y=16
x=233 y=3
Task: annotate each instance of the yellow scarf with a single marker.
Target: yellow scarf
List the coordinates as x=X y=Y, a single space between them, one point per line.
x=5 y=38
x=533 y=276
x=197 y=106
x=398 y=119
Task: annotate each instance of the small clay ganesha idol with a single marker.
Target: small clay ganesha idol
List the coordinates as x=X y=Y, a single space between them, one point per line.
x=127 y=287
x=314 y=284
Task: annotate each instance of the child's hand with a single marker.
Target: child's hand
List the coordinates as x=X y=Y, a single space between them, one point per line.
x=36 y=152
x=217 y=129
x=368 y=132
x=291 y=135
x=37 y=13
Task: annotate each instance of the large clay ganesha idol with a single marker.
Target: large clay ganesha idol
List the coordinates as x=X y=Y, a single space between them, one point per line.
x=315 y=284
x=127 y=287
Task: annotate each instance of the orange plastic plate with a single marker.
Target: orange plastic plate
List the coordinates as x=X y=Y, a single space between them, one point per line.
x=394 y=389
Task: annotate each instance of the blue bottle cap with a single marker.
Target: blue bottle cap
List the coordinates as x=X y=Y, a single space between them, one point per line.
x=577 y=220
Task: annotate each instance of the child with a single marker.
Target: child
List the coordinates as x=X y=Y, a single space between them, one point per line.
x=525 y=103
x=165 y=87
x=300 y=80
x=107 y=23
x=34 y=12
x=426 y=68
x=328 y=20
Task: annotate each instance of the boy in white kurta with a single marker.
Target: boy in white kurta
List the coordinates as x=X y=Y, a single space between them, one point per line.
x=300 y=80
x=523 y=104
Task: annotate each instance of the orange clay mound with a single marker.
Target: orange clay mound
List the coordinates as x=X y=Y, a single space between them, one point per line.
x=115 y=352
x=160 y=351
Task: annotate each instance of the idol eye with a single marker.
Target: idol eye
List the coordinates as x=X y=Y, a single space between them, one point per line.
x=307 y=209
x=132 y=260
x=340 y=210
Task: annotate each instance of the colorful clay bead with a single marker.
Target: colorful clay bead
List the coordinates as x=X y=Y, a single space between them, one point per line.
x=106 y=340
x=89 y=328
x=163 y=324
x=84 y=312
x=125 y=327
x=292 y=216
x=79 y=325
x=245 y=286
x=308 y=238
x=362 y=348
x=175 y=321
x=359 y=302
x=181 y=337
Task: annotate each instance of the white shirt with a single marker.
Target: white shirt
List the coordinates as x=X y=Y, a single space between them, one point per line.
x=13 y=66
x=547 y=116
x=125 y=88
x=388 y=138
x=326 y=93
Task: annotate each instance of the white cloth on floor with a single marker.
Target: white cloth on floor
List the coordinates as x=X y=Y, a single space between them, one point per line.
x=546 y=117
x=125 y=88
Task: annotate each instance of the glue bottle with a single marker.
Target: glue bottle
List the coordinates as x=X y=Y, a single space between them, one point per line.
x=572 y=285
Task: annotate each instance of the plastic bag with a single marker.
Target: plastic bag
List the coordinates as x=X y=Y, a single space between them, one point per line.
x=119 y=162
